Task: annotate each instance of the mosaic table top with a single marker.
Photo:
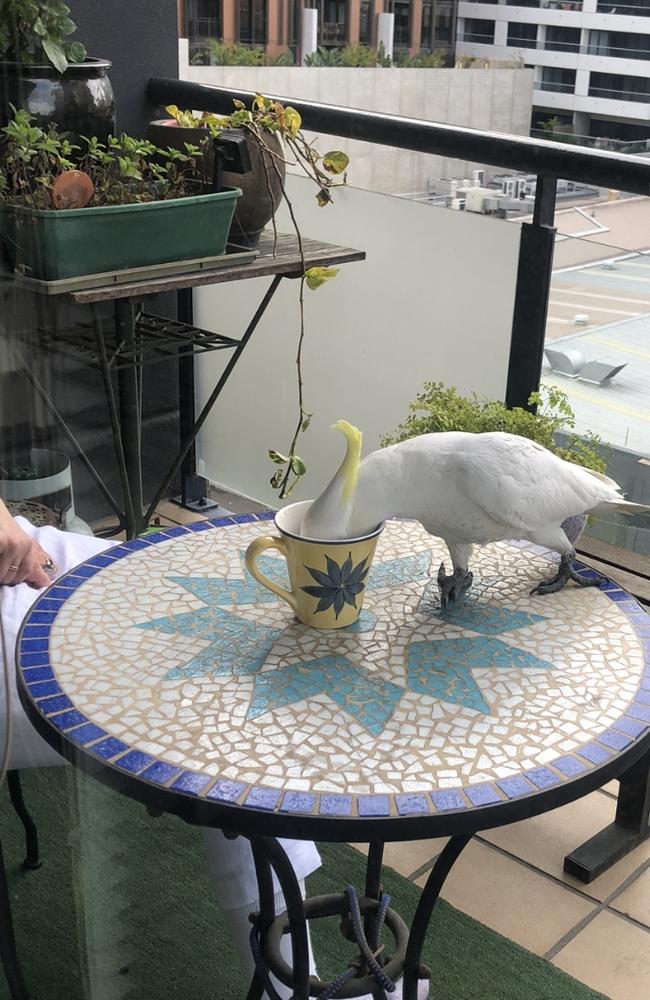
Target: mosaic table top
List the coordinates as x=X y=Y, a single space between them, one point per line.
x=164 y=659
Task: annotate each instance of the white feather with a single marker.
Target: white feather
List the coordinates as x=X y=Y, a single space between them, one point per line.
x=477 y=488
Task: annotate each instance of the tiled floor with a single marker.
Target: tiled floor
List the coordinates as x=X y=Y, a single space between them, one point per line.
x=512 y=880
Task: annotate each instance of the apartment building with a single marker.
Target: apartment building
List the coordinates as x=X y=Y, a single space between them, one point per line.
x=591 y=58
x=420 y=25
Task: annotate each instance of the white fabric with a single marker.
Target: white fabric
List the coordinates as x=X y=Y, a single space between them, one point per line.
x=28 y=749
x=229 y=861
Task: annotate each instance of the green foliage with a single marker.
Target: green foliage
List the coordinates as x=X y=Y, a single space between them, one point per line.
x=36 y=32
x=422 y=60
x=363 y=56
x=442 y=408
x=123 y=171
x=219 y=53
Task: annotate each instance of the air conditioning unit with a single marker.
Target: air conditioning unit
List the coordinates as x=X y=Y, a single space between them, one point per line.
x=475 y=199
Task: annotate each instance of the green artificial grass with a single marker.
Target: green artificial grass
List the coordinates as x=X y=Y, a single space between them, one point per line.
x=122 y=907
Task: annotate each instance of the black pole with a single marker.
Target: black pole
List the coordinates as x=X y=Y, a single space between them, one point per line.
x=531 y=297
x=186 y=394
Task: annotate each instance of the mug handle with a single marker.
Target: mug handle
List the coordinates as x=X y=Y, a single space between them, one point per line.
x=253 y=551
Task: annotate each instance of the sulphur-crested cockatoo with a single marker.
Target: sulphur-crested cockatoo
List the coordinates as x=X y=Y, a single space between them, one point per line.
x=468 y=489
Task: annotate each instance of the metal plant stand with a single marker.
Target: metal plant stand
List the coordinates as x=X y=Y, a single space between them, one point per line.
x=142 y=339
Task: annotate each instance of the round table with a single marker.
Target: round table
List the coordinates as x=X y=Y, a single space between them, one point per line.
x=163 y=669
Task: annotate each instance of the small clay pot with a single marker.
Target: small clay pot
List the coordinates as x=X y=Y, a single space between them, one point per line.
x=261 y=188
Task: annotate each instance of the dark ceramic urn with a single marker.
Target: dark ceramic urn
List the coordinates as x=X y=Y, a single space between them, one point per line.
x=261 y=187
x=79 y=102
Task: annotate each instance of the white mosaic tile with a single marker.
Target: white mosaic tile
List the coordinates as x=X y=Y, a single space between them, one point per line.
x=178 y=648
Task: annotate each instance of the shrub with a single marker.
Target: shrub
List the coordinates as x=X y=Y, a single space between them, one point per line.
x=442 y=408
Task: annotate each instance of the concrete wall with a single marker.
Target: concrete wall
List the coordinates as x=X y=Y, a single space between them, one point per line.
x=433 y=301
x=497 y=100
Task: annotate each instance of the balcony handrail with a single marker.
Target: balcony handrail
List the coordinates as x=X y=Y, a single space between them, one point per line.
x=602 y=168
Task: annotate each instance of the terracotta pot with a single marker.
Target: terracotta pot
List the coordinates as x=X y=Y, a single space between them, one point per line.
x=261 y=194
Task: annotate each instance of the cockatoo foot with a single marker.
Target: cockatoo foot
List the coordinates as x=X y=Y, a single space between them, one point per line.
x=565 y=573
x=453 y=587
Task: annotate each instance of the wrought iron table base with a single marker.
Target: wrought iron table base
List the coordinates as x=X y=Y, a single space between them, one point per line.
x=375 y=973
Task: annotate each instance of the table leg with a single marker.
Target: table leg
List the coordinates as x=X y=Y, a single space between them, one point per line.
x=130 y=418
x=32 y=857
x=630 y=828
x=373 y=972
x=8 y=953
x=129 y=518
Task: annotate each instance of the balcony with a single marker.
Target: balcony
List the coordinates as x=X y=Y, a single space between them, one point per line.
x=463 y=295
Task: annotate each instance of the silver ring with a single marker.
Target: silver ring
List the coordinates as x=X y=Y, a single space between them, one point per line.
x=49 y=567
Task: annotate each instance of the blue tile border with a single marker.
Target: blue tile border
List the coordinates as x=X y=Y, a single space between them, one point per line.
x=58 y=709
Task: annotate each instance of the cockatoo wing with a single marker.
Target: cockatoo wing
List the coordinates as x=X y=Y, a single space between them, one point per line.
x=519 y=483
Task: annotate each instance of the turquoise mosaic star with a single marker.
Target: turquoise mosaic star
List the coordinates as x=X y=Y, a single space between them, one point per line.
x=443 y=668
x=236 y=646
x=370 y=700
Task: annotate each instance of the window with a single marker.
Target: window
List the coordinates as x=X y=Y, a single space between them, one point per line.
x=437 y=19
x=522 y=36
x=402 y=37
x=252 y=22
x=621 y=44
x=479 y=31
x=559 y=39
x=617 y=87
x=332 y=22
x=203 y=19
x=628 y=8
x=558 y=80
x=365 y=23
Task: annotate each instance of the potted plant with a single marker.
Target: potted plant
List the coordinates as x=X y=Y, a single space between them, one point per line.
x=442 y=408
x=273 y=133
x=49 y=75
x=143 y=205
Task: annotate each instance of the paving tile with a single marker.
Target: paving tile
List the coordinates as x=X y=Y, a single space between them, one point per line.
x=635 y=901
x=544 y=840
x=520 y=904
x=178 y=514
x=236 y=503
x=408 y=856
x=610 y=955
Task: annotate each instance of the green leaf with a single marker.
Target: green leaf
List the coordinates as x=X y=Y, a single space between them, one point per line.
x=298 y=467
x=276 y=457
x=335 y=162
x=55 y=54
x=317 y=276
x=306 y=422
x=75 y=52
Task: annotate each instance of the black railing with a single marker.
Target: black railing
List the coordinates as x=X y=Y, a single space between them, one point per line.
x=547 y=159
x=515 y=152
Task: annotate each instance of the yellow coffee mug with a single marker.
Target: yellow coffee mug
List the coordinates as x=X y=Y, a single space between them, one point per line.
x=327 y=578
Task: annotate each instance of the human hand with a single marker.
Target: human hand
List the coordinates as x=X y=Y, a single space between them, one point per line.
x=22 y=559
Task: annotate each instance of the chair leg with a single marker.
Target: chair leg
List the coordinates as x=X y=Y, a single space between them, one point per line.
x=8 y=953
x=32 y=859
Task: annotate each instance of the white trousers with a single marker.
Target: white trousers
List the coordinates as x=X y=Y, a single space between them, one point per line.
x=229 y=861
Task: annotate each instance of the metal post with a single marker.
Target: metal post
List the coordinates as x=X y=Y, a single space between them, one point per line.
x=186 y=394
x=531 y=297
x=129 y=406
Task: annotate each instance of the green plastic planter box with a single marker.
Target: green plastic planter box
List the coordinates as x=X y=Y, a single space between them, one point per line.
x=52 y=245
